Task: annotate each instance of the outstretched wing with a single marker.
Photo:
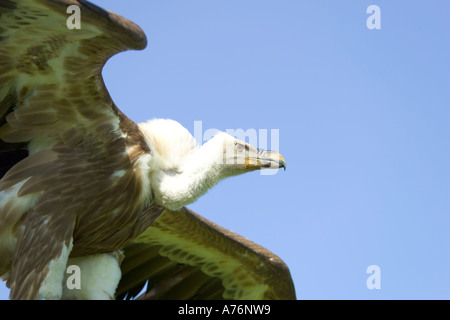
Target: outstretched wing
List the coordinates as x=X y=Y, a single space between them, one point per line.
x=184 y=256
x=61 y=136
x=50 y=76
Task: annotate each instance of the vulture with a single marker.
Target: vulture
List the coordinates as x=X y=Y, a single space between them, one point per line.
x=83 y=185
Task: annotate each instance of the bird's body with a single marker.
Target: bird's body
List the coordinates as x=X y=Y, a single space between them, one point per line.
x=80 y=180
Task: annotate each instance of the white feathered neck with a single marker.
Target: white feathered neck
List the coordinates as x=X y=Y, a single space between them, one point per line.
x=180 y=170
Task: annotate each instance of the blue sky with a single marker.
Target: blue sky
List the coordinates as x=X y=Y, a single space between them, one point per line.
x=363 y=118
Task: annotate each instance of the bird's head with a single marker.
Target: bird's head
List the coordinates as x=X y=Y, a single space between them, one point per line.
x=181 y=170
x=239 y=156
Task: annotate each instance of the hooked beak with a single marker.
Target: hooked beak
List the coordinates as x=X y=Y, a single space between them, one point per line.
x=267 y=159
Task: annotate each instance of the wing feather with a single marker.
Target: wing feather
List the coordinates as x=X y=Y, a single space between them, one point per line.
x=184 y=256
x=51 y=75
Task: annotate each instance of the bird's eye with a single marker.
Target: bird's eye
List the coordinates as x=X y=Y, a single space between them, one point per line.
x=239 y=147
